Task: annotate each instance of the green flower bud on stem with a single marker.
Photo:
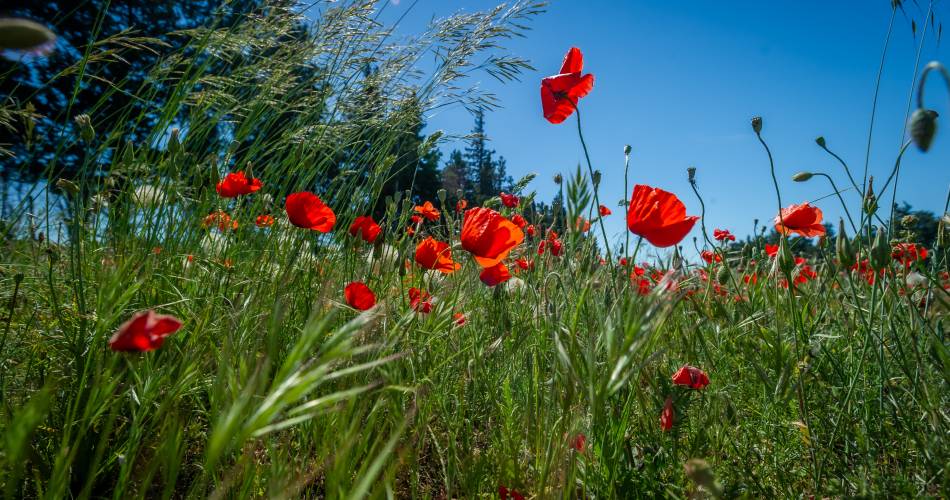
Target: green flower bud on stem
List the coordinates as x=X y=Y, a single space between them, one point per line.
x=802 y=176
x=757 y=124
x=843 y=248
x=880 y=251
x=923 y=126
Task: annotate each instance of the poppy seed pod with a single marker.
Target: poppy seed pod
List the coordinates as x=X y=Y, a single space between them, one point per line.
x=802 y=176
x=843 y=248
x=820 y=141
x=880 y=251
x=626 y=150
x=923 y=126
x=757 y=124
x=441 y=194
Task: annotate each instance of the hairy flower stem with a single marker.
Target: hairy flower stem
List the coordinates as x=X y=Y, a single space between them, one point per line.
x=590 y=169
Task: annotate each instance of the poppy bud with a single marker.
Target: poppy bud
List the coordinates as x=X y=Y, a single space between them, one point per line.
x=596 y=178
x=691 y=173
x=85 y=127
x=786 y=260
x=802 y=176
x=68 y=186
x=174 y=144
x=843 y=248
x=757 y=124
x=24 y=35
x=870 y=201
x=820 y=141
x=558 y=179
x=723 y=275
x=880 y=251
x=923 y=126
x=626 y=150
x=441 y=195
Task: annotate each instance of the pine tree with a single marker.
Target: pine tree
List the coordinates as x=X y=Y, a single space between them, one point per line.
x=479 y=159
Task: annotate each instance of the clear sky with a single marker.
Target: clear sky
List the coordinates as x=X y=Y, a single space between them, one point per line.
x=679 y=82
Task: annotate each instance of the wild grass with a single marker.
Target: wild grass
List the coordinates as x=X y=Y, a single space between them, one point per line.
x=836 y=386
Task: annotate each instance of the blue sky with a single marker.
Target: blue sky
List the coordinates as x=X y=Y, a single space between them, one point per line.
x=679 y=82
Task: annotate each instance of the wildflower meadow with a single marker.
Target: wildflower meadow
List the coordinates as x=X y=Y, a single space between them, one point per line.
x=226 y=272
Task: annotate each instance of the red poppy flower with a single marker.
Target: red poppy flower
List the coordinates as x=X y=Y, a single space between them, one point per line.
x=264 y=220
x=531 y=230
x=659 y=216
x=723 y=235
x=410 y=231
x=691 y=377
x=307 y=210
x=579 y=442
x=494 y=275
x=489 y=236
x=604 y=211
x=525 y=264
x=709 y=256
x=437 y=255
x=143 y=332
x=519 y=221
x=509 y=200
x=582 y=224
x=908 y=253
x=804 y=220
x=667 y=416
x=771 y=250
x=459 y=319
x=221 y=219
x=359 y=296
x=461 y=205
x=504 y=494
x=236 y=184
x=367 y=228
x=428 y=211
x=560 y=93
x=420 y=301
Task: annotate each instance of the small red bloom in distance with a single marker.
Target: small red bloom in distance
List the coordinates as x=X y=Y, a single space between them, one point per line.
x=579 y=442
x=723 y=235
x=505 y=494
x=428 y=211
x=494 y=275
x=420 y=301
x=691 y=377
x=531 y=230
x=366 y=227
x=659 y=216
x=604 y=211
x=143 y=332
x=709 y=256
x=509 y=200
x=667 y=416
x=359 y=296
x=236 y=184
x=771 y=250
x=519 y=221
x=459 y=319
x=264 y=220
x=803 y=220
x=307 y=210
x=435 y=255
x=461 y=205
x=489 y=236
x=221 y=219
x=908 y=253
x=560 y=93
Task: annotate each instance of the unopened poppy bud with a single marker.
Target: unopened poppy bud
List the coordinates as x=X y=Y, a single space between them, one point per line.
x=24 y=35
x=596 y=178
x=67 y=186
x=691 y=173
x=843 y=248
x=880 y=250
x=85 y=127
x=441 y=194
x=923 y=126
x=174 y=143
x=626 y=150
x=870 y=201
x=723 y=275
x=820 y=141
x=757 y=124
x=558 y=179
x=786 y=260
x=802 y=176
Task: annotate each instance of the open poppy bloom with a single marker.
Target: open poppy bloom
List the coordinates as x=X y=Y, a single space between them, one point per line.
x=489 y=236
x=723 y=235
x=264 y=220
x=459 y=319
x=659 y=216
x=667 y=416
x=307 y=210
x=428 y=211
x=604 y=211
x=494 y=275
x=221 y=219
x=366 y=227
x=691 y=377
x=420 y=301
x=710 y=257
x=509 y=200
x=359 y=296
x=519 y=220
x=771 y=250
x=236 y=184
x=436 y=255
x=504 y=494
x=560 y=93
x=804 y=220
x=143 y=332
x=908 y=253
x=461 y=205
x=579 y=442
x=531 y=230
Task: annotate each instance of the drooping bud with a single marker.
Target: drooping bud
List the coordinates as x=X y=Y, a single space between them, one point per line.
x=820 y=141
x=558 y=179
x=626 y=150
x=802 y=176
x=67 y=186
x=880 y=250
x=757 y=124
x=923 y=126
x=843 y=249
x=85 y=127
x=691 y=172
x=24 y=35
x=596 y=178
